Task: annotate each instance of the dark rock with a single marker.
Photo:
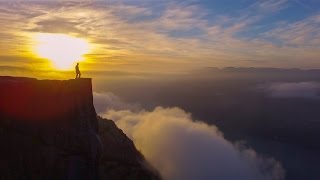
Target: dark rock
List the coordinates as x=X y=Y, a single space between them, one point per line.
x=120 y=160
x=49 y=130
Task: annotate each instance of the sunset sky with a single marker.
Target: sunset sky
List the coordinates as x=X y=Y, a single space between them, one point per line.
x=159 y=36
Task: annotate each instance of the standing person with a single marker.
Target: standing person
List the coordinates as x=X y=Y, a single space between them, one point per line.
x=78 y=73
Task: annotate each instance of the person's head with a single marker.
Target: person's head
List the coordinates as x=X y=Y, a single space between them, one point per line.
x=77 y=64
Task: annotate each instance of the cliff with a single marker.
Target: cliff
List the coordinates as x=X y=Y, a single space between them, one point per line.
x=49 y=130
x=120 y=159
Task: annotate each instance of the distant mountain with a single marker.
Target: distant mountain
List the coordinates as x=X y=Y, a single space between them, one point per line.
x=261 y=69
x=263 y=74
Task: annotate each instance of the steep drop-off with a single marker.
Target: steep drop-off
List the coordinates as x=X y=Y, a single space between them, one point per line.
x=119 y=159
x=49 y=130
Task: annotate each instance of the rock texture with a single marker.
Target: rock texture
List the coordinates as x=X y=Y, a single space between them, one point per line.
x=119 y=158
x=49 y=130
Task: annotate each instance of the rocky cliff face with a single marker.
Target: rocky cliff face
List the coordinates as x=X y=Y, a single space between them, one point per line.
x=49 y=130
x=119 y=159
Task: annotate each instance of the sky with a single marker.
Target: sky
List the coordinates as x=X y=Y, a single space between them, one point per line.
x=162 y=36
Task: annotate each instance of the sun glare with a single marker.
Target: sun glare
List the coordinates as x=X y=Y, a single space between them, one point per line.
x=62 y=50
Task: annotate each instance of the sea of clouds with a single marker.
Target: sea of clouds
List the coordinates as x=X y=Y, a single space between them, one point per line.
x=180 y=147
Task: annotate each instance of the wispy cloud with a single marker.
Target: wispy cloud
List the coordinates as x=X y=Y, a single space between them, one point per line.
x=303 y=33
x=302 y=4
x=171 y=35
x=270 y=5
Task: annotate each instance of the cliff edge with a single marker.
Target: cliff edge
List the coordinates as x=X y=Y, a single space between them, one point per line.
x=49 y=130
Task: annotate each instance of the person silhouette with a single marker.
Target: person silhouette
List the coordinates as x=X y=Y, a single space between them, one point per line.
x=78 y=73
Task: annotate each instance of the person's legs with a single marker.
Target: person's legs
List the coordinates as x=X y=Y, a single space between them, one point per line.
x=78 y=75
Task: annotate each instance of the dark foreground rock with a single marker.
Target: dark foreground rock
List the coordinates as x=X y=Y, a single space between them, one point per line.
x=49 y=130
x=119 y=158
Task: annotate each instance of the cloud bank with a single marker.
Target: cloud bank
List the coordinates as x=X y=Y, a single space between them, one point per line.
x=107 y=101
x=297 y=89
x=181 y=148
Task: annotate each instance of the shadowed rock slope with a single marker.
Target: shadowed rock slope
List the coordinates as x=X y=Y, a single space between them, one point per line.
x=119 y=158
x=49 y=130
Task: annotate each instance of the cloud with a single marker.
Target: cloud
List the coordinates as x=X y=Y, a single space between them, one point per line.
x=271 y=5
x=108 y=100
x=182 y=148
x=303 y=33
x=291 y=90
x=302 y=4
x=175 y=35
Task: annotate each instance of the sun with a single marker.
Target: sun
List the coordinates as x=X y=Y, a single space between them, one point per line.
x=62 y=50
